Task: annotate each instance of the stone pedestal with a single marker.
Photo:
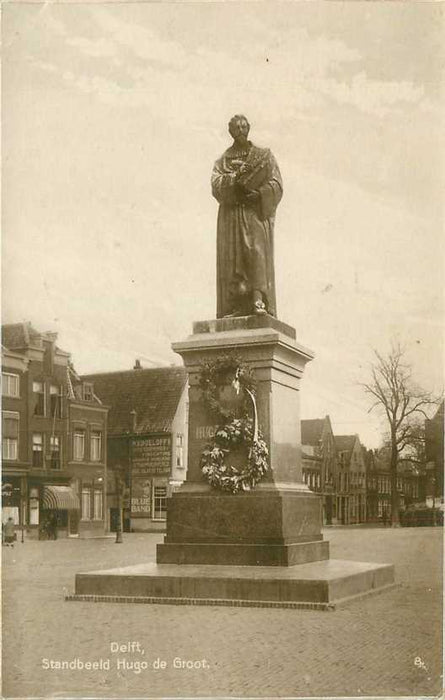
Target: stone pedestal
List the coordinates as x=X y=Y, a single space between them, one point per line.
x=279 y=522
x=269 y=347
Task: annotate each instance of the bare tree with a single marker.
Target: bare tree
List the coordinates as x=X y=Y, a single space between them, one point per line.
x=396 y=395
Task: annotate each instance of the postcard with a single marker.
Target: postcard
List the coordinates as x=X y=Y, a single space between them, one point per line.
x=222 y=349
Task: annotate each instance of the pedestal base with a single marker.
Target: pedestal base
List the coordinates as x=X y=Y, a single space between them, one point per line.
x=322 y=584
x=255 y=517
x=242 y=554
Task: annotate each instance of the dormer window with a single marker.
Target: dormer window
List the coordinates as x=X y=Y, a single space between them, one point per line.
x=88 y=394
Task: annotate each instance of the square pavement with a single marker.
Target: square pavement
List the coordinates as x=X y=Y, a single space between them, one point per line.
x=384 y=645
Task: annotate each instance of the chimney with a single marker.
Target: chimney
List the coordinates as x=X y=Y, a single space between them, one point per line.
x=134 y=417
x=137 y=364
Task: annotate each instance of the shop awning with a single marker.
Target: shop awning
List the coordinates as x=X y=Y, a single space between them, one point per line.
x=60 y=498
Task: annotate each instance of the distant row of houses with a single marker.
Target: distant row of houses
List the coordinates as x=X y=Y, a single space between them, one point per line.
x=355 y=482
x=75 y=448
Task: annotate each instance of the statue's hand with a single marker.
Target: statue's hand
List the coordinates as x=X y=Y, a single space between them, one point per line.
x=252 y=196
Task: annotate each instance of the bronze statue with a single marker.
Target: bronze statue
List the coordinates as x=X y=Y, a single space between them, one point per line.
x=247 y=183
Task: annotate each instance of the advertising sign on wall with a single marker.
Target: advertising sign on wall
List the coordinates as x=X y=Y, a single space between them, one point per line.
x=151 y=456
x=140 y=502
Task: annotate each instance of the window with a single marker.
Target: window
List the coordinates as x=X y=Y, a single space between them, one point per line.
x=98 y=505
x=55 y=397
x=88 y=394
x=34 y=506
x=96 y=446
x=160 y=503
x=54 y=449
x=10 y=441
x=39 y=398
x=179 y=450
x=79 y=445
x=10 y=384
x=37 y=450
x=86 y=504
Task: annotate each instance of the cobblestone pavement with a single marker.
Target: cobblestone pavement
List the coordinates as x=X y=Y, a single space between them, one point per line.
x=368 y=648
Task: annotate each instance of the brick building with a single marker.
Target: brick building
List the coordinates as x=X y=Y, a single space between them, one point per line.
x=320 y=463
x=53 y=439
x=378 y=481
x=147 y=441
x=410 y=485
x=351 y=480
x=434 y=452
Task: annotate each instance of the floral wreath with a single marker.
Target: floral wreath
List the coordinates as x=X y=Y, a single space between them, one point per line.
x=233 y=431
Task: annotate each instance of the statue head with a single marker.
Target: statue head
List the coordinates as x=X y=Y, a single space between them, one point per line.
x=239 y=127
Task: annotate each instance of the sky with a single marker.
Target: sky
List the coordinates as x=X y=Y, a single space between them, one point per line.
x=113 y=115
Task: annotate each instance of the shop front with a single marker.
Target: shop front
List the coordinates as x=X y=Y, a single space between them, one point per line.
x=11 y=499
x=60 y=512
x=53 y=511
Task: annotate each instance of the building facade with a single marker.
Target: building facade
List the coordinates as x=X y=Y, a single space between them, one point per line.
x=320 y=463
x=147 y=442
x=378 y=481
x=351 y=480
x=410 y=485
x=53 y=439
x=434 y=452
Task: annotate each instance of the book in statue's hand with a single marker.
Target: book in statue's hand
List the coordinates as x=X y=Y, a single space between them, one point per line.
x=253 y=175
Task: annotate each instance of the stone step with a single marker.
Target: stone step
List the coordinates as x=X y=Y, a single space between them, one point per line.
x=321 y=582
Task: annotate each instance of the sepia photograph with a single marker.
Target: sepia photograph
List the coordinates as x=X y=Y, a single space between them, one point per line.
x=222 y=349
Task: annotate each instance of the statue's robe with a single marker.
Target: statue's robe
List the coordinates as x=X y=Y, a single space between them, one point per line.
x=245 y=249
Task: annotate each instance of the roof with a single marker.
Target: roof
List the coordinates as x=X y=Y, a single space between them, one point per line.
x=345 y=443
x=438 y=416
x=19 y=335
x=311 y=431
x=152 y=393
x=310 y=458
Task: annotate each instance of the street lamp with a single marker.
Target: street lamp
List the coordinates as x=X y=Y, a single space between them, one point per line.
x=23 y=509
x=119 y=524
x=433 y=484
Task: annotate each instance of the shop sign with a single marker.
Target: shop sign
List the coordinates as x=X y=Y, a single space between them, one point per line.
x=140 y=502
x=10 y=493
x=7 y=490
x=151 y=456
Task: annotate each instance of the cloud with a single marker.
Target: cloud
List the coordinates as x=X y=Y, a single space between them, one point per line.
x=376 y=97
x=98 y=48
x=299 y=72
x=141 y=41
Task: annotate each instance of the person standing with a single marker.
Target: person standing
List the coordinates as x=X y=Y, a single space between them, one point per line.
x=9 y=532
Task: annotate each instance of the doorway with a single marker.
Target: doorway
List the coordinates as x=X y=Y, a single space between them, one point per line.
x=73 y=523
